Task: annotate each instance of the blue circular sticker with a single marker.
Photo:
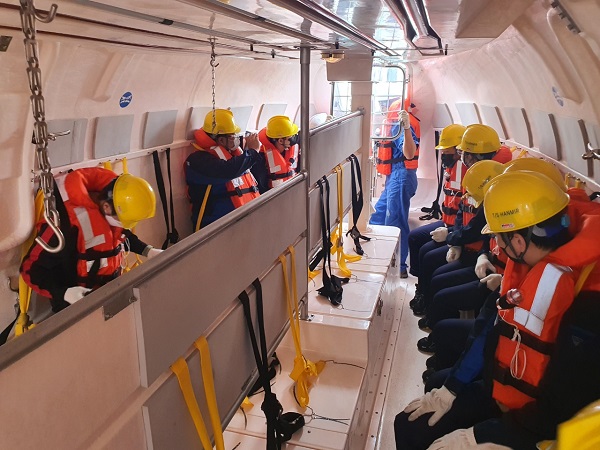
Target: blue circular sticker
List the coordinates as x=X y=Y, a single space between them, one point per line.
x=125 y=99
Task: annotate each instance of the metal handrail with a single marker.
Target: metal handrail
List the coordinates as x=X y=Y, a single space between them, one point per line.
x=359 y=112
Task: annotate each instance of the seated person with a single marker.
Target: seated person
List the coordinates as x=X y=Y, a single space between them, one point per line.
x=97 y=209
x=419 y=240
x=278 y=153
x=218 y=173
x=553 y=241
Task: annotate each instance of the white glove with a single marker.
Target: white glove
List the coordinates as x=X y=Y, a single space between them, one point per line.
x=75 y=293
x=405 y=119
x=492 y=281
x=153 y=252
x=457 y=440
x=453 y=253
x=439 y=234
x=483 y=265
x=437 y=401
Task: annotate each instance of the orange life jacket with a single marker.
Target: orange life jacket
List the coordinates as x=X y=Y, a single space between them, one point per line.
x=98 y=243
x=281 y=167
x=241 y=189
x=528 y=331
x=452 y=192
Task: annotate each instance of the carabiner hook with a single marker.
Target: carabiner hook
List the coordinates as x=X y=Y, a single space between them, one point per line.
x=52 y=224
x=47 y=17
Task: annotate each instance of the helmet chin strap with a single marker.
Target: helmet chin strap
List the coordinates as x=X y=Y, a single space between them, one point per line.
x=508 y=241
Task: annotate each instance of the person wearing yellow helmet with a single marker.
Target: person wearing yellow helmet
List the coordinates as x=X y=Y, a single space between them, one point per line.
x=97 y=211
x=552 y=246
x=278 y=152
x=426 y=254
x=218 y=173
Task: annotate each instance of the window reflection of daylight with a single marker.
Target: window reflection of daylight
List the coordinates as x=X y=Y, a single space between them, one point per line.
x=387 y=87
x=341 y=98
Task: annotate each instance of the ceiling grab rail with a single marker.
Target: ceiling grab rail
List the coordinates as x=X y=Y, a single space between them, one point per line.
x=41 y=135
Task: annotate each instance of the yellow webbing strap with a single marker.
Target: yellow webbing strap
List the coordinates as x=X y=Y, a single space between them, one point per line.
x=107 y=165
x=182 y=372
x=203 y=207
x=125 y=169
x=338 y=242
x=303 y=368
x=23 y=322
x=209 y=389
x=313 y=273
x=585 y=272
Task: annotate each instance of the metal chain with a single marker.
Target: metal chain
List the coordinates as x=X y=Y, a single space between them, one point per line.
x=41 y=135
x=213 y=65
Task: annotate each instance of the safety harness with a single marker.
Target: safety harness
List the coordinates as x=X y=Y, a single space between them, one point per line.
x=357 y=205
x=332 y=285
x=280 y=425
x=172 y=234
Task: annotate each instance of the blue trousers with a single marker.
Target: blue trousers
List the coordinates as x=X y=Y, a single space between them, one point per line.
x=417 y=240
x=394 y=204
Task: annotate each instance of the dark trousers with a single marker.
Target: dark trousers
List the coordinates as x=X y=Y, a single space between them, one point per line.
x=450 y=337
x=447 y=302
x=417 y=238
x=432 y=256
x=473 y=404
x=448 y=275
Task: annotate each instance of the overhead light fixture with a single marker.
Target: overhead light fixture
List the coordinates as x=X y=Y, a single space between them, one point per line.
x=332 y=56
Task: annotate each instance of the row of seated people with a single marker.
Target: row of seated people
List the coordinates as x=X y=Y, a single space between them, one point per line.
x=98 y=208
x=520 y=249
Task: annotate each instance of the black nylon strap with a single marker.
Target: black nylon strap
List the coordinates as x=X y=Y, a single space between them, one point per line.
x=507 y=331
x=172 y=234
x=6 y=331
x=435 y=211
x=502 y=375
x=357 y=204
x=280 y=427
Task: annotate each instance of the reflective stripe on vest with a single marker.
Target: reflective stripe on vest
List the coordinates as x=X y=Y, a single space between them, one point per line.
x=533 y=320
x=456 y=180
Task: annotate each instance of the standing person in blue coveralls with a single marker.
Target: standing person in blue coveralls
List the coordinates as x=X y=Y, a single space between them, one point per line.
x=218 y=174
x=398 y=160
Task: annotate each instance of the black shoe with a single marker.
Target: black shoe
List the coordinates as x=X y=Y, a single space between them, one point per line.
x=424 y=345
x=427 y=374
x=431 y=362
x=420 y=309
x=416 y=299
x=423 y=324
x=403 y=273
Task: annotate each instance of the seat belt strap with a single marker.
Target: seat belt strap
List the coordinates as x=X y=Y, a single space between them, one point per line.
x=172 y=234
x=202 y=207
x=209 y=389
x=357 y=204
x=435 y=211
x=182 y=372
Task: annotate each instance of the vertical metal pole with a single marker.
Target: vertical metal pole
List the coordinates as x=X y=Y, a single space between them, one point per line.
x=305 y=142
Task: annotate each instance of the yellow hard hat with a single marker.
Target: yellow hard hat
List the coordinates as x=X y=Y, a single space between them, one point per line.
x=539 y=166
x=451 y=136
x=134 y=200
x=581 y=432
x=479 y=139
x=224 y=122
x=518 y=200
x=281 y=127
x=477 y=178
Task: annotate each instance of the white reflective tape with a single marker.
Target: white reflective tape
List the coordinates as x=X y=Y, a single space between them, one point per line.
x=457 y=177
x=85 y=225
x=533 y=319
x=273 y=168
x=219 y=151
x=103 y=263
x=276 y=183
x=237 y=182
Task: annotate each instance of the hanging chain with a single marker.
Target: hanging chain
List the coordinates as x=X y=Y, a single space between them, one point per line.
x=213 y=66
x=40 y=128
